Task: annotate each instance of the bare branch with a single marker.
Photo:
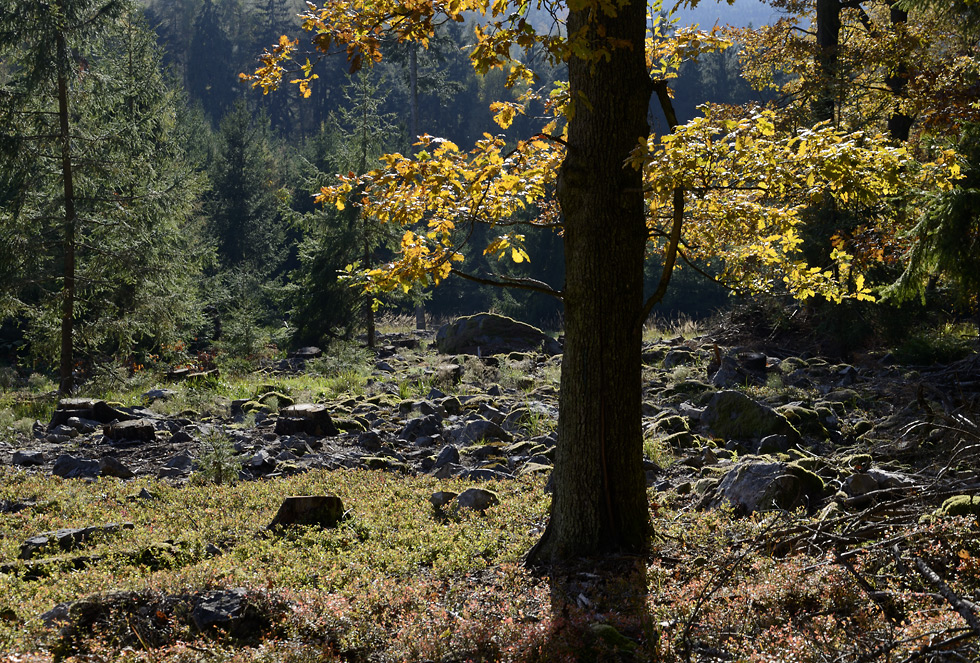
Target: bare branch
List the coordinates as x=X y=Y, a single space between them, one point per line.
x=510 y=282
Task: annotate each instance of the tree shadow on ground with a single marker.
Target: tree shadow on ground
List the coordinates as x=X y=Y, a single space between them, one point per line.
x=600 y=611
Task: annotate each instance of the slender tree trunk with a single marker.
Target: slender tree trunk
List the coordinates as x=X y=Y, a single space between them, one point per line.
x=371 y=325
x=371 y=330
x=899 y=123
x=828 y=45
x=66 y=381
x=599 y=503
x=413 y=82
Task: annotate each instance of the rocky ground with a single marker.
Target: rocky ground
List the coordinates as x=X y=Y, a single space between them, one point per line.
x=745 y=425
x=857 y=466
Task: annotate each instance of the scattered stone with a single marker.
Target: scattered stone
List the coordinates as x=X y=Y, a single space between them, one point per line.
x=369 y=440
x=219 y=608
x=72 y=467
x=488 y=334
x=481 y=429
x=678 y=357
x=307 y=353
x=136 y=429
x=448 y=455
x=754 y=486
x=859 y=484
x=442 y=498
x=178 y=466
x=774 y=444
x=317 y=510
x=28 y=458
x=262 y=461
x=477 y=499
x=113 y=467
x=486 y=474
x=733 y=415
x=63 y=431
x=67 y=539
x=312 y=419
x=429 y=426
x=158 y=395
x=83 y=426
x=87 y=408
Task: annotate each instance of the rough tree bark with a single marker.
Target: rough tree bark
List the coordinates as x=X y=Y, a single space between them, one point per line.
x=599 y=503
x=828 y=45
x=899 y=123
x=66 y=377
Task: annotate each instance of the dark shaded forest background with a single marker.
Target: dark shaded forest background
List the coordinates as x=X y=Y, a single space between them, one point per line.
x=251 y=260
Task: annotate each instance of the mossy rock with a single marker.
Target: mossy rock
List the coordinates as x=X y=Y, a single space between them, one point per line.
x=705 y=485
x=842 y=396
x=862 y=427
x=690 y=388
x=715 y=471
x=530 y=469
x=792 y=364
x=522 y=448
x=476 y=402
x=672 y=423
x=811 y=464
x=812 y=483
x=610 y=638
x=489 y=334
x=380 y=463
x=960 y=505
x=349 y=425
x=655 y=355
x=484 y=451
x=250 y=407
x=733 y=415
x=760 y=485
x=681 y=440
x=374 y=462
x=805 y=420
x=278 y=398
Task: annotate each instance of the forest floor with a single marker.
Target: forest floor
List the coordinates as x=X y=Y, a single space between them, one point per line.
x=836 y=521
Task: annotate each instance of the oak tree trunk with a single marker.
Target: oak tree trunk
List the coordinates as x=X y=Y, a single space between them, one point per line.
x=599 y=503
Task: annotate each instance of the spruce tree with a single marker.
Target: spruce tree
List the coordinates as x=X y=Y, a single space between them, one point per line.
x=90 y=234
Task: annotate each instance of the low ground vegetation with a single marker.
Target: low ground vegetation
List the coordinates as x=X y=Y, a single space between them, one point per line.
x=862 y=544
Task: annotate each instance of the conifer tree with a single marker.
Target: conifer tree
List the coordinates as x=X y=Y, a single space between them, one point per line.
x=89 y=234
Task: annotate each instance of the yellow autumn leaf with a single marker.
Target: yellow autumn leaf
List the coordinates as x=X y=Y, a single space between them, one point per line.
x=503 y=113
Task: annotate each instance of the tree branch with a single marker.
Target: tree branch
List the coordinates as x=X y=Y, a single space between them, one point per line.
x=509 y=282
x=965 y=608
x=670 y=259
